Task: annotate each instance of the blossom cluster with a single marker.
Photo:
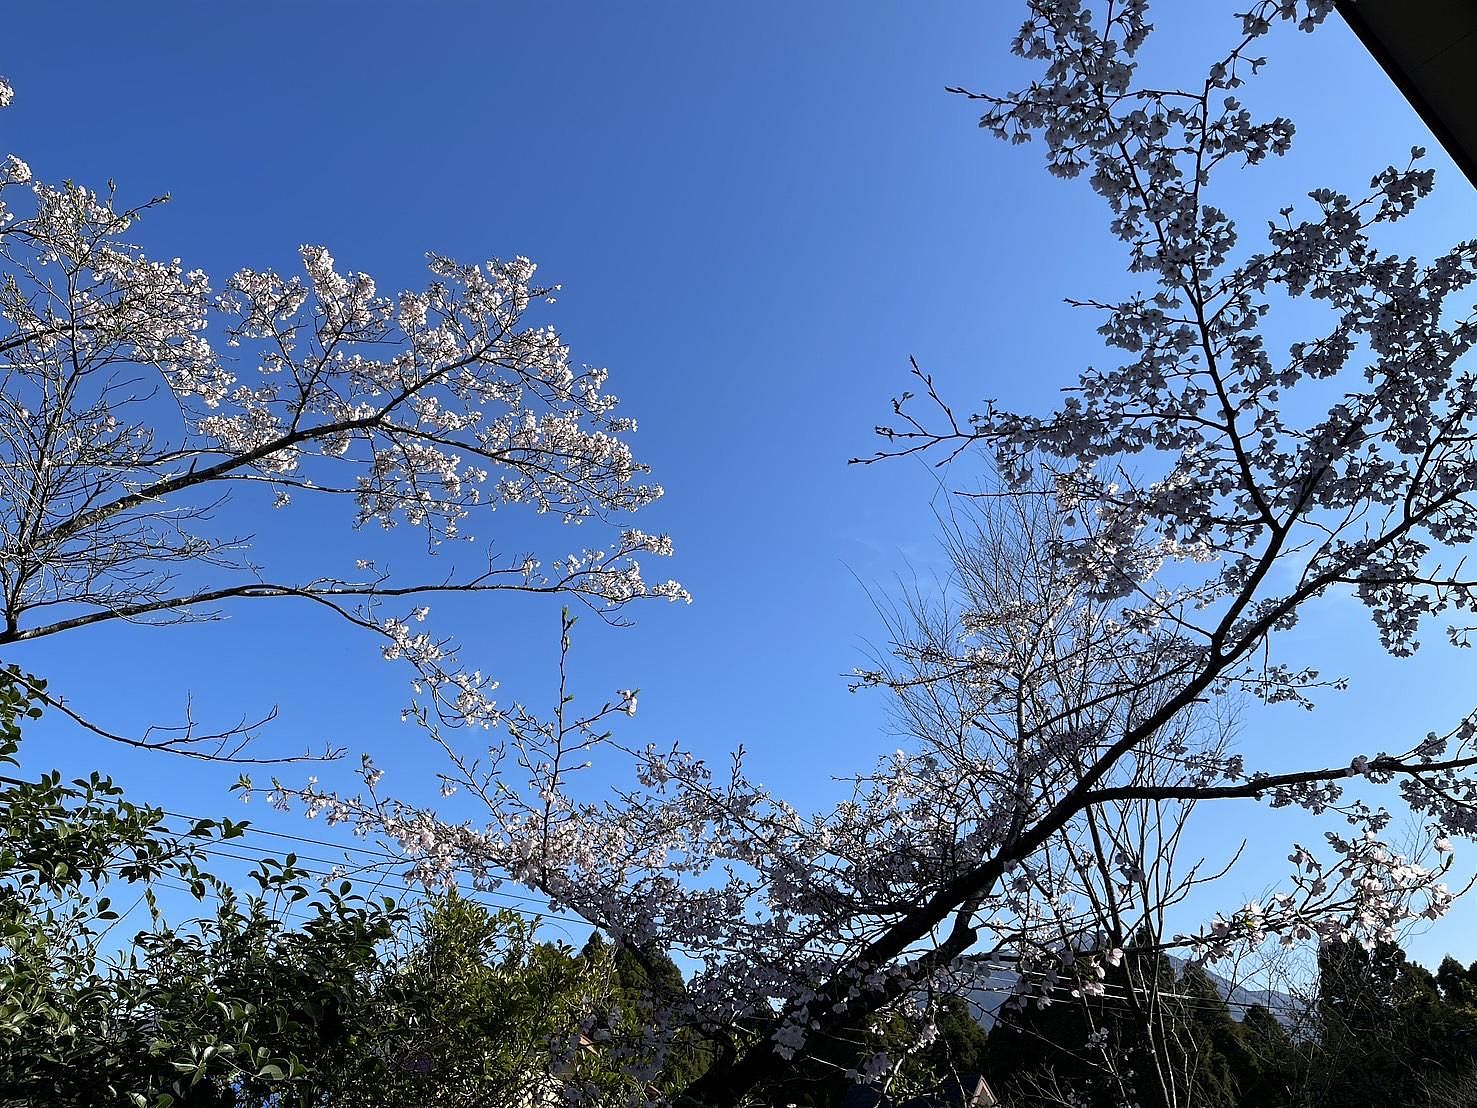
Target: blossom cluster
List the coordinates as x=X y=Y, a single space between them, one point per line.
x=1069 y=704
x=141 y=401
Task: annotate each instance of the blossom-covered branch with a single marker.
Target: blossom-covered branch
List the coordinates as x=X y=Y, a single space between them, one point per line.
x=1141 y=552
x=140 y=410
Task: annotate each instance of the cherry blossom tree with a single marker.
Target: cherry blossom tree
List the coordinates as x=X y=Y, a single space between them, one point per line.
x=1160 y=533
x=141 y=411
x=1114 y=879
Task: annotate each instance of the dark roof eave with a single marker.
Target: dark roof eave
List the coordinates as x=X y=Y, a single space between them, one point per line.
x=1431 y=114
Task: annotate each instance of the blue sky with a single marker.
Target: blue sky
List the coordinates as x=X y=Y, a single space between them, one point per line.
x=758 y=213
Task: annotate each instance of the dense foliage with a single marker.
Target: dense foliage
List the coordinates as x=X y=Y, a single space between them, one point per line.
x=1280 y=419
x=302 y=994
x=295 y=993
x=229 y=1002
x=1378 y=1030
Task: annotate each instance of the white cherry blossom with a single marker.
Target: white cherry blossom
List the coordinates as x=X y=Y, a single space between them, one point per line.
x=139 y=404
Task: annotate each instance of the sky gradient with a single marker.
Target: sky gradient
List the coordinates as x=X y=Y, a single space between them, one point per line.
x=758 y=213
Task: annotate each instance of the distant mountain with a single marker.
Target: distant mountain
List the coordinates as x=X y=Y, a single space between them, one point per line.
x=995 y=983
x=1285 y=1009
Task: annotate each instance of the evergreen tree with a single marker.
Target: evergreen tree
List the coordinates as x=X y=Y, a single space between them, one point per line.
x=1210 y=1046
x=231 y=1009
x=476 y=1011
x=1376 y=1016
x=1270 y=1069
x=1106 y=1049
x=1458 y=986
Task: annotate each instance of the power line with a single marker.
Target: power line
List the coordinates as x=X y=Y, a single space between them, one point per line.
x=1110 y=991
x=481 y=896
x=1122 y=992
x=520 y=903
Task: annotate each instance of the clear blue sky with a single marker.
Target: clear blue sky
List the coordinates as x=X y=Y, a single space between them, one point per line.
x=758 y=213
